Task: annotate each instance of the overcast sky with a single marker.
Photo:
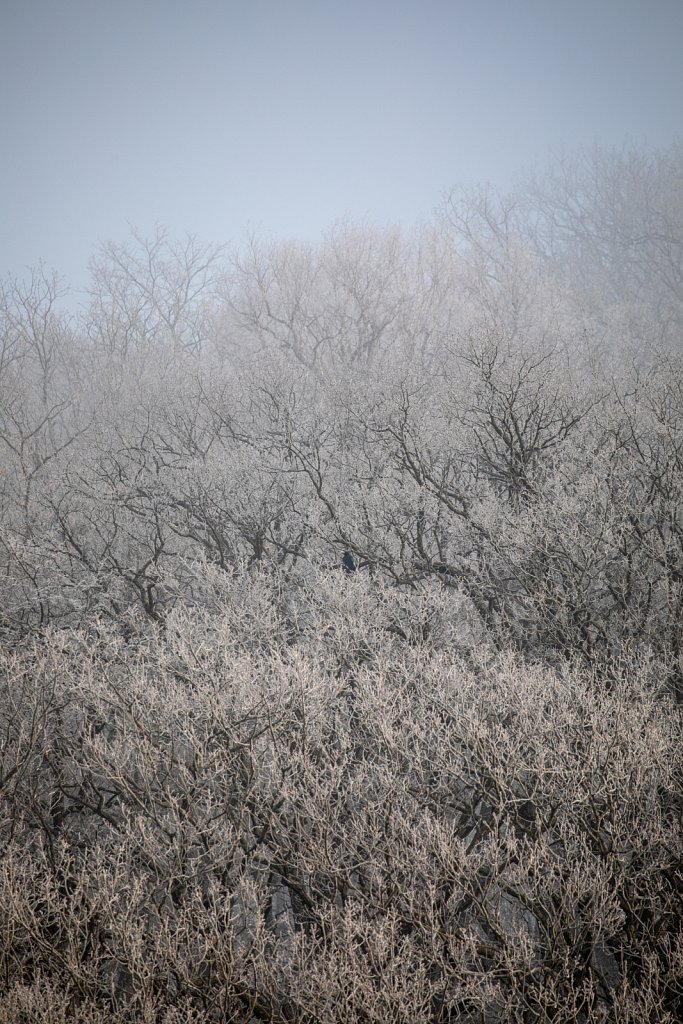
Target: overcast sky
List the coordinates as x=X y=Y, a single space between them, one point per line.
x=220 y=116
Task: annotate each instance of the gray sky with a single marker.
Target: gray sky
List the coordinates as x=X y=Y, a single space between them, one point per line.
x=216 y=116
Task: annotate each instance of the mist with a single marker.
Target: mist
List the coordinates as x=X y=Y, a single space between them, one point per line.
x=232 y=117
x=341 y=515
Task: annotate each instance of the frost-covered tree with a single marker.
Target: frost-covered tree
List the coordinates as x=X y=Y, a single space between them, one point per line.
x=239 y=782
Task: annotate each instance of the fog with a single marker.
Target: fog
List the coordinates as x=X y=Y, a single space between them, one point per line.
x=226 y=116
x=341 y=515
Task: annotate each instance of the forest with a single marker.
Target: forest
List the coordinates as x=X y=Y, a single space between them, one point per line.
x=341 y=618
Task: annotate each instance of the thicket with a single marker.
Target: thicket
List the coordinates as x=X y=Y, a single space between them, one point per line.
x=341 y=619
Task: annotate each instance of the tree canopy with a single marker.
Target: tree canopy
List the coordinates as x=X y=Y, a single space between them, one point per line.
x=341 y=619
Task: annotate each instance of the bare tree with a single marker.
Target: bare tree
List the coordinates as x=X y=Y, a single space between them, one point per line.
x=238 y=782
x=155 y=292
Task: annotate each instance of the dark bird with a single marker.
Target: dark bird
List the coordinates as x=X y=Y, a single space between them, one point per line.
x=348 y=562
